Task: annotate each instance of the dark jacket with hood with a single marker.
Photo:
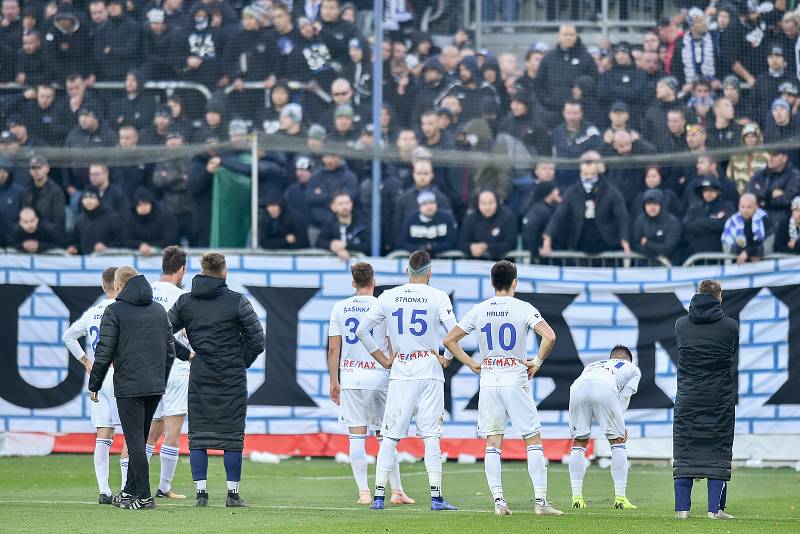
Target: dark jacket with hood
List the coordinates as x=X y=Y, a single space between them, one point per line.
x=135 y=336
x=536 y=218
x=101 y=225
x=227 y=337
x=671 y=201
x=469 y=93
x=426 y=93
x=406 y=205
x=705 y=404
x=356 y=234
x=272 y=232
x=158 y=228
x=68 y=51
x=10 y=196
x=323 y=185
x=116 y=47
x=624 y=83
x=559 y=69
x=704 y=221
x=765 y=181
x=663 y=232
x=498 y=231
x=136 y=110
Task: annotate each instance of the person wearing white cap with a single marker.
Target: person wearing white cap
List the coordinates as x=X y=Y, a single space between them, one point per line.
x=429 y=229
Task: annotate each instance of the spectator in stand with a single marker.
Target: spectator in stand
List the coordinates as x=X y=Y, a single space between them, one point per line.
x=723 y=132
x=135 y=107
x=149 y=228
x=344 y=130
x=344 y=232
x=560 y=68
x=269 y=118
x=113 y=196
x=41 y=118
x=782 y=126
x=673 y=139
x=732 y=44
x=157 y=42
x=213 y=125
x=334 y=32
x=79 y=96
x=178 y=116
x=732 y=91
x=623 y=82
x=428 y=88
x=32 y=66
x=406 y=204
x=705 y=219
x=793 y=228
x=468 y=90
x=656 y=232
x=288 y=43
x=701 y=101
x=96 y=228
x=626 y=177
x=89 y=132
x=32 y=235
x=592 y=218
x=765 y=90
x=574 y=136
x=490 y=232
x=544 y=201
x=297 y=193
x=45 y=196
x=698 y=53
x=280 y=227
x=203 y=167
x=171 y=180
x=129 y=177
x=748 y=233
x=775 y=187
x=10 y=194
x=68 y=45
x=525 y=125
x=429 y=228
x=271 y=163
x=671 y=37
x=743 y=166
x=333 y=177
x=619 y=121
x=653 y=181
x=342 y=94
x=156 y=133
x=250 y=57
x=200 y=49
x=655 y=120
x=650 y=65
x=116 y=44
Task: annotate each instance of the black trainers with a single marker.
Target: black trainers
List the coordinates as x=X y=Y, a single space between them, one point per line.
x=202 y=499
x=120 y=498
x=235 y=501
x=140 y=504
x=105 y=499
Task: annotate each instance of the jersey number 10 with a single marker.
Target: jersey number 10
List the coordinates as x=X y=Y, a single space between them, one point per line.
x=506 y=332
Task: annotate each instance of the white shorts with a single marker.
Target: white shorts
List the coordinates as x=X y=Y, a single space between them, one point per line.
x=104 y=412
x=176 y=397
x=497 y=405
x=593 y=400
x=422 y=400
x=362 y=407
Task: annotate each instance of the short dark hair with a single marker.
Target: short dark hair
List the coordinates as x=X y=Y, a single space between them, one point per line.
x=622 y=349
x=174 y=258
x=711 y=288
x=108 y=278
x=418 y=260
x=363 y=274
x=503 y=275
x=213 y=264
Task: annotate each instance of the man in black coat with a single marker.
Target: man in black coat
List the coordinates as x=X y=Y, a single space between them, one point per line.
x=136 y=337
x=227 y=337
x=705 y=219
x=544 y=201
x=561 y=66
x=280 y=227
x=656 y=232
x=705 y=405
x=149 y=227
x=490 y=232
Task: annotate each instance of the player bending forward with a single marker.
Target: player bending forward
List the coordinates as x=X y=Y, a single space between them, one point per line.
x=602 y=394
x=502 y=323
x=103 y=409
x=362 y=392
x=413 y=312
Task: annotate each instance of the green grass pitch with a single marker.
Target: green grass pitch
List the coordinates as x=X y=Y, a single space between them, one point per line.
x=57 y=494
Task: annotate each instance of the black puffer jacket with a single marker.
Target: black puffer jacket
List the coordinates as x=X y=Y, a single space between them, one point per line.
x=227 y=337
x=158 y=228
x=135 y=335
x=498 y=231
x=705 y=405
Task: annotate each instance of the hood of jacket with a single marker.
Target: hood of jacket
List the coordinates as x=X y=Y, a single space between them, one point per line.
x=705 y=309
x=137 y=291
x=208 y=287
x=654 y=195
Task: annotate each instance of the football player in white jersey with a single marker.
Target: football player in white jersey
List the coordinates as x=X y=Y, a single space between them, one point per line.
x=362 y=390
x=171 y=412
x=412 y=313
x=502 y=323
x=103 y=409
x=602 y=393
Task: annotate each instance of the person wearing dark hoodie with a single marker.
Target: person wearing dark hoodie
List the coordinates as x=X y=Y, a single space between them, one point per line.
x=705 y=219
x=584 y=90
x=544 y=201
x=67 y=45
x=428 y=229
x=783 y=126
x=32 y=235
x=335 y=33
x=157 y=42
x=654 y=181
x=656 y=232
x=429 y=86
x=561 y=66
x=489 y=232
x=332 y=177
x=96 y=228
x=10 y=193
x=654 y=126
x=280 y=227
x=468 y=90
x=624 y=82
x=149 y=228
x=705 y=403
x=490 y=73
x=116 y=44
x=201 y=49
x=775 y=186
x=202 y=169
x=524 y=124
x=344 y=232
x=136 y=107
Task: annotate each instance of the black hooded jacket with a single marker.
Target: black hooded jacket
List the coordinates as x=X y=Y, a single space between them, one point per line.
x=272 y=232
x=135 y=336
x=536 y=218
x=705 y=405
x=662 y=232
x=227 y=337
x=158 y=228
x=559 y=69
x=498 y=231
x=100 y=225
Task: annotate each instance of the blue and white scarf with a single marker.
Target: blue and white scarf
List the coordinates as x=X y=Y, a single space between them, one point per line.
x=698 y=57
x=733 y=233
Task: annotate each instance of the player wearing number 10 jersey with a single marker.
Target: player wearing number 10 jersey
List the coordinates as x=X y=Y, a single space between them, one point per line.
x=362 y=391
x=502 y=323
x=103 y=412
x=412 y=313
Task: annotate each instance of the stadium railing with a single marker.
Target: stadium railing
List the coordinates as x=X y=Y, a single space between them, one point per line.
x=168 y=87
x=569 y=258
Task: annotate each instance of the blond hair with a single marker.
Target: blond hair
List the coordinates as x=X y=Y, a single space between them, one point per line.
x=123 y=275
x=213 y=264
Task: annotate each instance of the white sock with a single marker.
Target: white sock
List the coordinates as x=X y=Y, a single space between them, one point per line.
x=491 y=464
x=233 y=486
x=200 y=485
x=123 y=469
x=101 y=449
x=169 y=461
x=394 y=476
x=383 y=467
x=538 y=472
x=619 y=469
x=358 y=460
x=433 y=464
x=149 y=450
x=577 y=470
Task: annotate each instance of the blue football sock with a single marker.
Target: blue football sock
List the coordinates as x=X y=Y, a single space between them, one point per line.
x=683 y=494
x=715 y=490
x=198 y=458
x=233 y=465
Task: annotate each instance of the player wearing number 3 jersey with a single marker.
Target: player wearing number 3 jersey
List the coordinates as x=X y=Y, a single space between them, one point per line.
x=412 y=314
x=103 y=411
x=501 y=324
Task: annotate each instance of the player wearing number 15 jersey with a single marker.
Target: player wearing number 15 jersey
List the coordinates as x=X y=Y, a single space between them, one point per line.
x=502 y=323
x=412 y=313
x=103 y=412
x=361 y=394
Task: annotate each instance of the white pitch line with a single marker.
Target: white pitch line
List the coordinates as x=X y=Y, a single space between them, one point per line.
x=404 y=474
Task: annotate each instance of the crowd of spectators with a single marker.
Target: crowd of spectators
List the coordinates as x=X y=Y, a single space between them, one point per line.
x=712 y=77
